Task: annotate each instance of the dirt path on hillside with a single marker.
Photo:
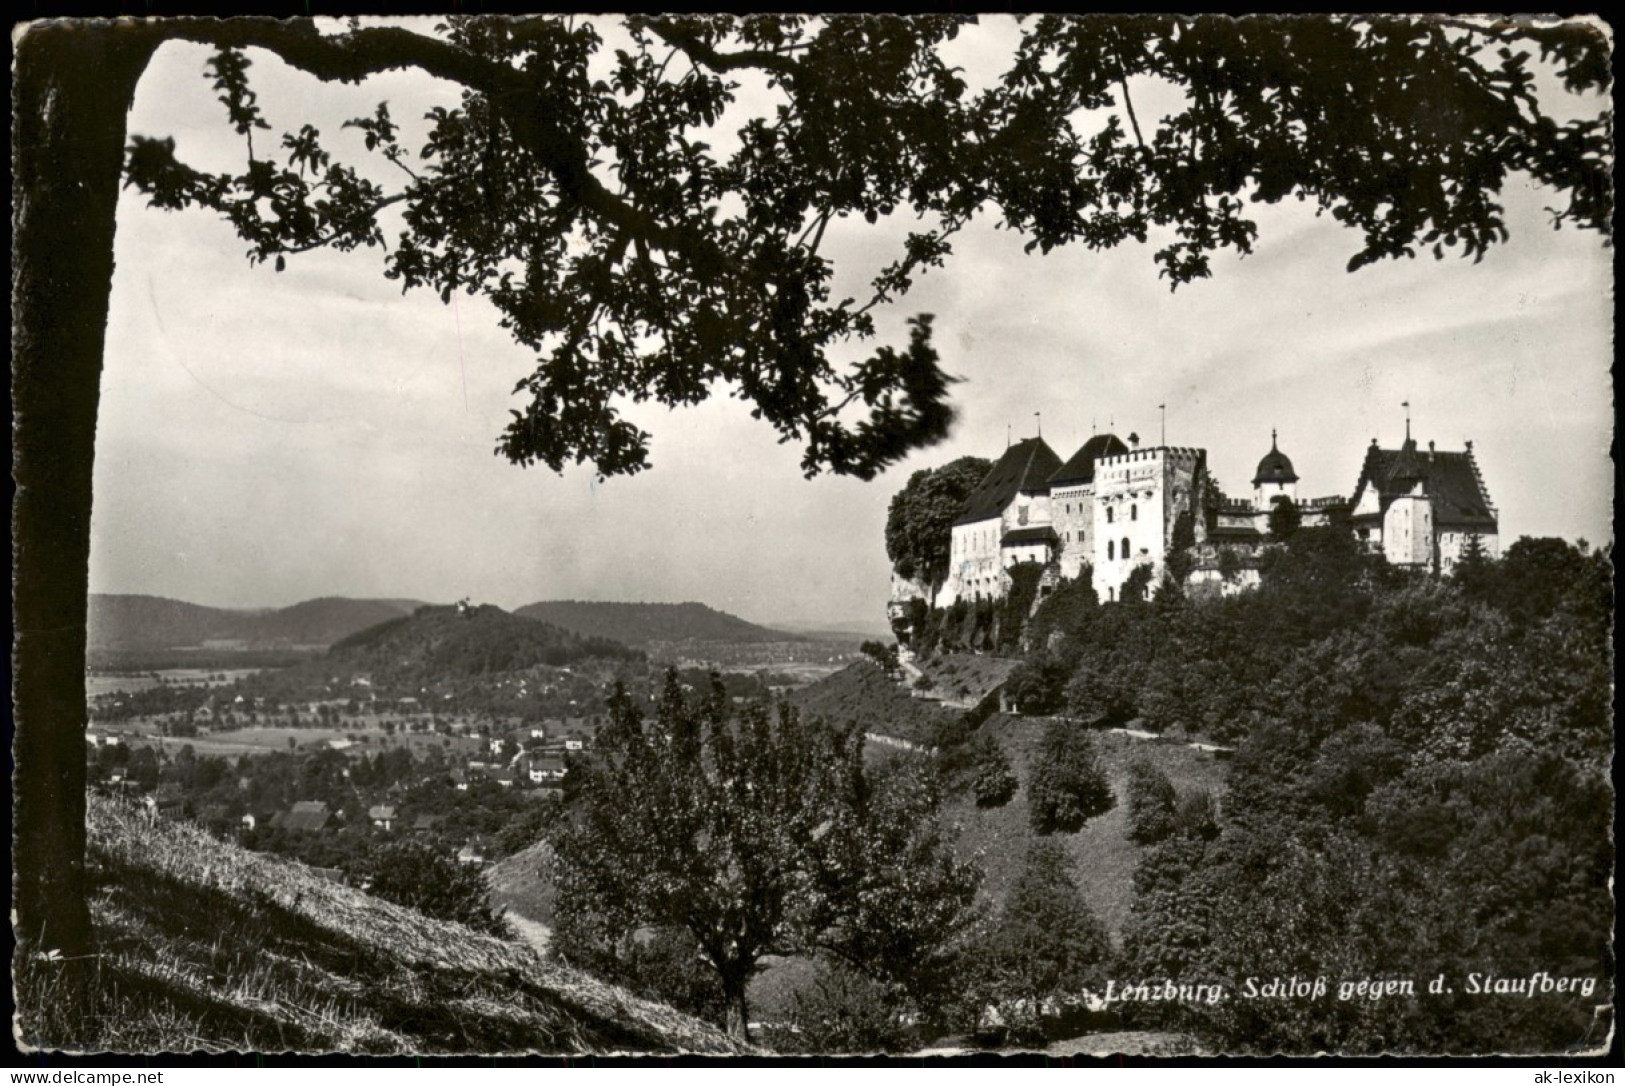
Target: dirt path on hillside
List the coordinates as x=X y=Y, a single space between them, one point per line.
x=536 y=935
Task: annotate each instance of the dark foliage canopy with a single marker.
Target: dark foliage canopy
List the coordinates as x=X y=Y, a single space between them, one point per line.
x=754 y=837
x=1425 y=782
x=1045 y=944
x=919 y=523
x=1067 y=786
x=639 y=262
x=424 y=878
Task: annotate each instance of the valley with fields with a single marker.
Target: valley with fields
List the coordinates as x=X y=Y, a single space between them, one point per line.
x=1052 y=763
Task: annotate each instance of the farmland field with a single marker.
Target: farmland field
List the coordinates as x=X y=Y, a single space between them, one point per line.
x=119 y=682
x=261 y=740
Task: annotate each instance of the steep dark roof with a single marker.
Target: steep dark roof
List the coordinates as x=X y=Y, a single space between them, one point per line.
x=1451 y=479
x=1024 y=468
x=1081 y=468
x=1018 y=536
x=1275 y=467
x=310 y=815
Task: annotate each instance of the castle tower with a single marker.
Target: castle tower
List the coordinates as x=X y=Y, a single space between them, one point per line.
x=1072 y=501
x=1274 y=478
x=1420 y=509
x=1141 y=497
x=1407 y=525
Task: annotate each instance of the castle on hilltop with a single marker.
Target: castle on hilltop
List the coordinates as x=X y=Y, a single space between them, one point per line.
x=1114 y=507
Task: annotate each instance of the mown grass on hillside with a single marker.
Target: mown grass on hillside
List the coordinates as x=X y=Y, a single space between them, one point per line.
x=1103 y=856
x=520 y=883
x=962 y=678
x=204 y=946
x=862 y=695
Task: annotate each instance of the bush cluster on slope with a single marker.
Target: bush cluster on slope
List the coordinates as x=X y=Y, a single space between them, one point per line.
x=1424 y=793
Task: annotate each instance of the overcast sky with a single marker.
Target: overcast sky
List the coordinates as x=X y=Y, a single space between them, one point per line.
x=269 y=438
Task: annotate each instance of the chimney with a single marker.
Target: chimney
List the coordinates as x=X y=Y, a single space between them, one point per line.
x=1134 y=441
x=1430 y=452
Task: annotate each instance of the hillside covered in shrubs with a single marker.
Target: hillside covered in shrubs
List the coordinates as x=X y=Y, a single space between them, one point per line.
x=1419 y=790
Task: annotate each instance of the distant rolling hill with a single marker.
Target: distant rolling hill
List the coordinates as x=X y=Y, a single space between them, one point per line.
x=153 y=623
x=452 y=643
x=643 y=623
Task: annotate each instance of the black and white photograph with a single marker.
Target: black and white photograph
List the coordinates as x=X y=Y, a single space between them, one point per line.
x=764 y=537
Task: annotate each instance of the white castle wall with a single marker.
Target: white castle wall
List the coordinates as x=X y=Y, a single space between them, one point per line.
x=1138 y=495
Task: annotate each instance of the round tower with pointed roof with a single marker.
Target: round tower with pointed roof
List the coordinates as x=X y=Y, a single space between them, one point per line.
x=1274 y=478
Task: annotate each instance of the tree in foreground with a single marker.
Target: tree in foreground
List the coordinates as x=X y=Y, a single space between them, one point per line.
x=919 y=522
x=638 y=263
x=1153 y=805
x=423 y=878
x=754 y=837
x=1067 y=786
x=1046 y=946
x=994 y=779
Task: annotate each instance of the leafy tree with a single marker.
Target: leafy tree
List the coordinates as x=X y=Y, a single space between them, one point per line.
x=840 y=1010
x=1017 y=604
x=1038 y=682
x=1137 y=584
x=1067 y=786
x=1472 y=567
x=1285 y=518
x=893 y=899
x=670 y=270
x=884 y=655
x=919 y=523
x=1536 y=577
x=994 y=779
x=420 y=877
x=1045 y=945
x=143 y=769
x=756 y=838
x=1428 y=782
x=1152 y=803
x=664 y=964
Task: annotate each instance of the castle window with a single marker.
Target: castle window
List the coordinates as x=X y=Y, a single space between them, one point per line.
x=1125 y=547
x=1108 y=514
x=1111 y=550
x=1134 y=512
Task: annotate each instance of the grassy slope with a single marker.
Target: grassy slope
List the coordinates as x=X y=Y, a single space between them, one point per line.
x=519 y=885
x=861 y=694
x=964 y=679
x=1104 y=858
x=206 y=946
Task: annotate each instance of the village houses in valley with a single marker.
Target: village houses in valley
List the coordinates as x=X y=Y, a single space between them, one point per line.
x=1115 y=506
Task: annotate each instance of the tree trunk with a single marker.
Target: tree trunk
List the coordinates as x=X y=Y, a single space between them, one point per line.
x=72 y=89
x=736 y=1020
